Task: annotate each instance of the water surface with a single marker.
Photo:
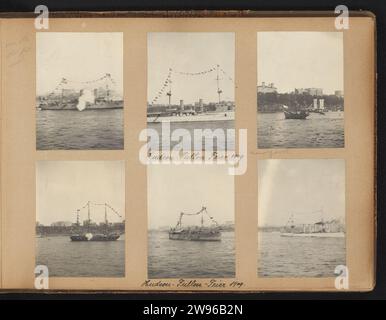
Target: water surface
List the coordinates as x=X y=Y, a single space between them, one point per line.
x=317 y=131
x=73 y=129
x=66 y=258
x=220 y=144
x=299 y=256
x=190 y=259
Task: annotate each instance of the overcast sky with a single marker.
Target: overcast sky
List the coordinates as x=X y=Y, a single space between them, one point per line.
x=78 y=56
x=187 y=188
x=301 y=60
x=300 y=187
x=190 y=52
x=65 y=186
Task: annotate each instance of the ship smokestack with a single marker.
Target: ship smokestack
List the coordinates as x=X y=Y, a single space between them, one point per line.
x=182 y=104
x=201 y=105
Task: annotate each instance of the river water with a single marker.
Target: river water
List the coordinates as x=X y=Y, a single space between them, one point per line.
x=317 y=131
x=65 y=258
x=190 y=259
x=220 y=144
x=299 y=256
x=72 y=129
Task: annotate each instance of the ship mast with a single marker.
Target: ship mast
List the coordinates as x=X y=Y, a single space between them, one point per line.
x=169 y=93
x=107 y=86
x=88 y=211
x=106 y=222
x=219 y=91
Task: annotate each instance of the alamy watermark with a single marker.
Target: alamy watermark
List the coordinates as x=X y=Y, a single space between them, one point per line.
x=204 y=146
x=342 y=20
x=41 y=277
x=342 y=279
x=42 y=20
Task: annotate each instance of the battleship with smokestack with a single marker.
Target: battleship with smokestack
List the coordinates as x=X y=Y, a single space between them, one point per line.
x=96 y=94
x=199 y=110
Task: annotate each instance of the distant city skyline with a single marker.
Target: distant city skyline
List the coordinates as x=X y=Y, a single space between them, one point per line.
x=301 y=60
x=193 y=57
x=267 y=84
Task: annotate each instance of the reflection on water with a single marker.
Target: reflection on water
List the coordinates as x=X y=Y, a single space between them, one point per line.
x=190 y=259
x=65 y=258
x=317 y=131
x=72 y=129
x=299 y=256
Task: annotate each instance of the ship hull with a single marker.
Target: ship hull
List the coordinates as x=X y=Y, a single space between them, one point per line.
x=216 y=116
x=314 y=235
x=302 y=115
x=95 y=237
x=73 y=106
x=194 y=236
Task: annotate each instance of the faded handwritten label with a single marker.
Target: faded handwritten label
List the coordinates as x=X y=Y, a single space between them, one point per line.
x=193 y=284
x=16 y=50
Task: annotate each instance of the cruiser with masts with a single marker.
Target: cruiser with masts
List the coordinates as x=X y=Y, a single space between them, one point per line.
x=85 y=233
x=98 y=94
x=196 y=233
x=213 y=111
x=332 y=228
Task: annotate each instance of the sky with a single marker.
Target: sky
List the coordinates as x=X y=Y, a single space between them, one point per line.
x=187 y=188
x=300 y=187
x=77 y=57
x=65 y=186
x=191 y=52
x=301 y=60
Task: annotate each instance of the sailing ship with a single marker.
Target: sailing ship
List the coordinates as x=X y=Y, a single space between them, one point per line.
x=196 y=233
x=321 y=229
x=85 y=232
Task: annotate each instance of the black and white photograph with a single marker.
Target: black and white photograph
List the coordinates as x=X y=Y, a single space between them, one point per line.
x=191 y=84
x=79 y=93
x=301 y=217
x=80 y=218
x=300 y=98
x=190 y=222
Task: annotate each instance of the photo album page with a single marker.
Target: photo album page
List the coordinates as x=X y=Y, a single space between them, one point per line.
x=210 y=153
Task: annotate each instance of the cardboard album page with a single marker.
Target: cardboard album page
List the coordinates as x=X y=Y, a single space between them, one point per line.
x=187 y=154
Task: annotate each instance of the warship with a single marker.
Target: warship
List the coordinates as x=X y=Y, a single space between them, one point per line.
x=196 y=233
x=84 y=232
x=319 y=229
x=94 y=95
x=213 y=111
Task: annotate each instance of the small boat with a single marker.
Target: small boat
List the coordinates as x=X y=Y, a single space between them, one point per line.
x=196 y=233
x=295 y=113
x=299 y=115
